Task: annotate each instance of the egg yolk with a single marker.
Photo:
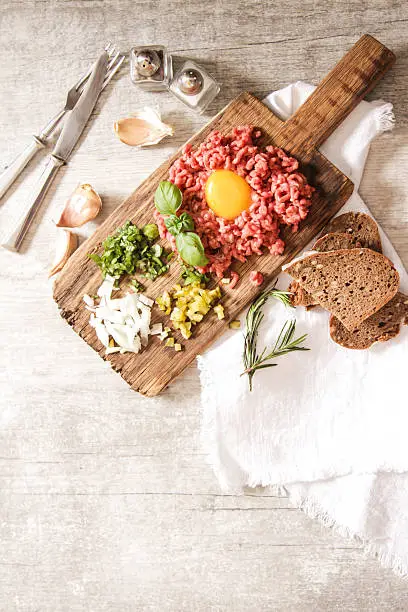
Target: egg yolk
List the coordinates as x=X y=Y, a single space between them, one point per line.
x=227 y=194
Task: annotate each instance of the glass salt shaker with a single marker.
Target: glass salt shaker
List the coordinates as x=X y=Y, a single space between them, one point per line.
x=194 y=86
x=151 y=67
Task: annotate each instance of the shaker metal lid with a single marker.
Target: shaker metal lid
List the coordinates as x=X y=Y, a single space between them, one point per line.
x=190 y=82
x=147 y=62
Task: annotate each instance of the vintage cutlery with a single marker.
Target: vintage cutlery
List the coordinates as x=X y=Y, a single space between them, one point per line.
x=13 y=171
x=72 y=130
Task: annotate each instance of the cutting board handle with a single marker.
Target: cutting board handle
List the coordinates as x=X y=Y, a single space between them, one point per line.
x=336 y=96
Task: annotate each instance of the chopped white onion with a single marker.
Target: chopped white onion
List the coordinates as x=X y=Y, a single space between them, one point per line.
x=88 y=300
x=106 y=313
x=126 y=320
x=144 y=299
x=156 y=329
x=107 y=287
x=102 y=334
x=112 y=349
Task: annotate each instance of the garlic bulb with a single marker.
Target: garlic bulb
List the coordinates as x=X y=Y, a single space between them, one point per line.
x=66 y=244
x=142 y=129
x=82 y=206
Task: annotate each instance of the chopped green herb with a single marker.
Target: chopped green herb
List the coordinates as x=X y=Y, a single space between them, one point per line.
x=191 y=276
x=138 y=287
x=131 y=249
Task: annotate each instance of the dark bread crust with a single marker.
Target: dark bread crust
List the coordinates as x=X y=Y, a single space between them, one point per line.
x=361 y=227
x=352 y=284
x=380 y=327
x=334 y=242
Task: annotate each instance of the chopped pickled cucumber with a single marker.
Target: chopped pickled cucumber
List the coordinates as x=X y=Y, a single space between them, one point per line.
x=164 y=302
x=188 y=305
x=219 y=311
x=235 y=325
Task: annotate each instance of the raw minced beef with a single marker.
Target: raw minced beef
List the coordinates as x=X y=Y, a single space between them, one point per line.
x=281 y=196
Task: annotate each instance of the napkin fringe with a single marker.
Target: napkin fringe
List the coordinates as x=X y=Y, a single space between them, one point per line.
x=385 y=117
x=313 y=510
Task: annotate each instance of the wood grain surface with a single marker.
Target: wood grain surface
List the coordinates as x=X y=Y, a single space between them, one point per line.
x=152 y=370
x=107 y=502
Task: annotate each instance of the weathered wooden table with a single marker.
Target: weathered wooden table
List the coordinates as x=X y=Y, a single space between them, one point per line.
x=106 y=500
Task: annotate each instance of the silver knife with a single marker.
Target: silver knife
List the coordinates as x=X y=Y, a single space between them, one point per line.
x=72 y=130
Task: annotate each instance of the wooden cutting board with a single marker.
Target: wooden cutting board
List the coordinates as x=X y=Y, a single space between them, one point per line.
x=156 y=366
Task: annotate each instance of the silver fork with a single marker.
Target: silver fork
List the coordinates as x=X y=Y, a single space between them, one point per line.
x=13 y=171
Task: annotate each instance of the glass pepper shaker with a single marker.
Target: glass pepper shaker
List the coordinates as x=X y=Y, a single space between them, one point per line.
x=151 y=67
x=194 y=86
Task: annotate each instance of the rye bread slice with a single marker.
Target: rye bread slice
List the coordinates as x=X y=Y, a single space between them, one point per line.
x=329 y=242
x=361 y=227
x=335 y=242
x=352 y=284
x=380 y=327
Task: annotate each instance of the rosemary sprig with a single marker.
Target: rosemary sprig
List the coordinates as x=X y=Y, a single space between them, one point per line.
x=285 y=343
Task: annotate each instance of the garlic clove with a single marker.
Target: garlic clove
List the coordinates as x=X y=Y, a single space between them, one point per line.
x=82 y=206
x=66 y=244
x=144 y=128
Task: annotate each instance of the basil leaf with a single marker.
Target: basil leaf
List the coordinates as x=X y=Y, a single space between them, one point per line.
x=177 y=225
x=191 y=249
x=173 y=225
x=167 y=198
x=187 y=223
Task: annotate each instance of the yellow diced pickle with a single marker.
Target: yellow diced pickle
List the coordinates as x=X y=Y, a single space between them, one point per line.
x=195 y=317
x=235 y=325
x=178 y=314
x=169 y=342
x=219 y=311
x=185 y=330
x=177 y=347
x=188 y=305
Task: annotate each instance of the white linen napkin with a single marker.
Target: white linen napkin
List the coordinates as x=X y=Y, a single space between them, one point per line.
x=328 y=425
